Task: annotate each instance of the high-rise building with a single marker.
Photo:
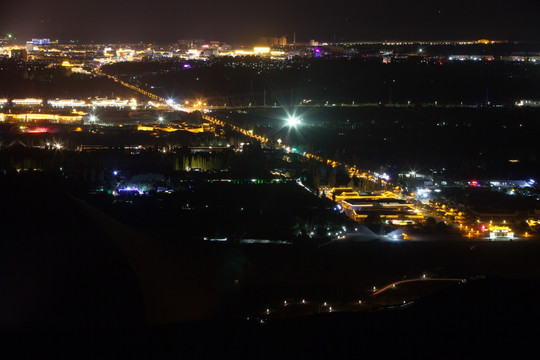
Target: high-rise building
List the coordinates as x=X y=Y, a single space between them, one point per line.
x=273 y=41
x=186 y=44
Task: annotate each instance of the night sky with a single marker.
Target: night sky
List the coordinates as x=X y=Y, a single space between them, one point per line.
x=238 y=21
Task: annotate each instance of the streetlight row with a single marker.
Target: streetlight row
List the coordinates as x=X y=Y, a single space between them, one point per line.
x=249 y=133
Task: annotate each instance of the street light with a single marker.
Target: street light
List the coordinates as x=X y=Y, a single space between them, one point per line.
x=293 y=121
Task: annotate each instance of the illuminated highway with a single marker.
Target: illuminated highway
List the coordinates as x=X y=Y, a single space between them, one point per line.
x=352 y=170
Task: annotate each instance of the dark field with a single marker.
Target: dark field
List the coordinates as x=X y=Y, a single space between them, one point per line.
x=76 y=278
x=466 y=142
x=50 y=238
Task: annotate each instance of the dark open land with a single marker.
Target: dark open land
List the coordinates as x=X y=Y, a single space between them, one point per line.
x=77 y=274
x=466 y=142
x=37 y=79
x=240 y=81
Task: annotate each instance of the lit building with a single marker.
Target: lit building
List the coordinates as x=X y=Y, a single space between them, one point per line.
x=531 y=103
x=41 y=41
x=273 y=41
x=66 y=103
x=39 y=117
x=190 y=44
x=125 y=54
x=498 y=232
x=27 y=102
x=261 y=50
x=111 y=103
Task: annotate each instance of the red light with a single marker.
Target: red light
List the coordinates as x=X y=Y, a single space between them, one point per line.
x=474 y=183
x=37 y=130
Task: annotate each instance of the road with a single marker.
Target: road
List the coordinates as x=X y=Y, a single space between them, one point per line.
x=352 y=170
x=423 y=278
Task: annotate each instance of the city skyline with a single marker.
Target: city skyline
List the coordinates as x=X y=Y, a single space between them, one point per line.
x=243 y=22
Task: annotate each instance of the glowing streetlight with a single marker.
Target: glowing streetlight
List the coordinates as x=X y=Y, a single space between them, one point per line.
x=160 y=119
x=293 y=121
x=93 y=118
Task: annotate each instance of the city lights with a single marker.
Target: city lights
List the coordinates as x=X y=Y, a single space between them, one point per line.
x=215 y=200
x=27 y=102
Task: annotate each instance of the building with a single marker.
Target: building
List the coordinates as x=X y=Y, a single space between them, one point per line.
x=273 y=41
x=41 y=41
x=531 y=103
x=391 y=209
x=19 y=55
x=187 y=44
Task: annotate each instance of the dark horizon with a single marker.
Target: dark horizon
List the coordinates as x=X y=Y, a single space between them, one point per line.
x=241 y=21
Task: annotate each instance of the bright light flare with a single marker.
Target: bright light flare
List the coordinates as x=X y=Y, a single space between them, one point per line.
x=293 y=121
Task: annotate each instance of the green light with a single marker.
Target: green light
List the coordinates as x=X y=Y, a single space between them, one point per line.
x=9 y=36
